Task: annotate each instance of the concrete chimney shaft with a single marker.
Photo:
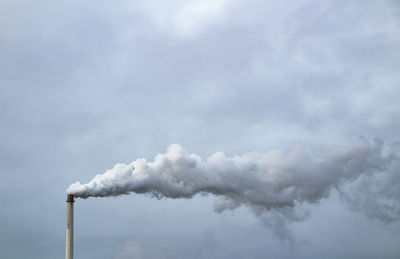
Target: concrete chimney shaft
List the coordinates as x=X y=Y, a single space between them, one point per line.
x=69 y=245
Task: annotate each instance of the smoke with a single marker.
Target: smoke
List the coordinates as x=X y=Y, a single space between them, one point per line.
x=277 y=181
x=377 y=195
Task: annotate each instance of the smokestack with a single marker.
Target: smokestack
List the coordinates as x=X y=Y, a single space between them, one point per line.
x=69 y=245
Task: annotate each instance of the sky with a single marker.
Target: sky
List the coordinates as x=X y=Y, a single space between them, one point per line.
x=88 y=84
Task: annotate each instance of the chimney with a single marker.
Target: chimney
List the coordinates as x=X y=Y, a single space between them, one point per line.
x=69 y=245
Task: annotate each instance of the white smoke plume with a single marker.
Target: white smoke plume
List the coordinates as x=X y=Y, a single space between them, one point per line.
x=275 y=181
x=377 y=195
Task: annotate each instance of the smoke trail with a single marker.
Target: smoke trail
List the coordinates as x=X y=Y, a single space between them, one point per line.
x=377 y=195
x=262 y=181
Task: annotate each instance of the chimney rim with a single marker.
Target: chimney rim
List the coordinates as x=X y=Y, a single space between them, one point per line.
x=70 y=198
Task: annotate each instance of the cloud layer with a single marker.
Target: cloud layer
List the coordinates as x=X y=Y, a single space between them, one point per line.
x=87 y=84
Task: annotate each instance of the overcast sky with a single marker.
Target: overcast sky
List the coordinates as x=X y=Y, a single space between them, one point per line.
x=87 y=84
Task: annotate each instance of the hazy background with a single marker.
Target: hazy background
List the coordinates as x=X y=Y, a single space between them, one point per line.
x=87 y=84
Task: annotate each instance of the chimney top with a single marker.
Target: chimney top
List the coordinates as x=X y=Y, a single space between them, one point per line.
x=70 y=198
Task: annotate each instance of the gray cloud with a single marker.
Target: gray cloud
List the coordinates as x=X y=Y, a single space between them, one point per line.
x=86 y=85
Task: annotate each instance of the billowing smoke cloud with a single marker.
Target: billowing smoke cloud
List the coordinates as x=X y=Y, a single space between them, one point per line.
x=377 y=195
x=275 y=181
